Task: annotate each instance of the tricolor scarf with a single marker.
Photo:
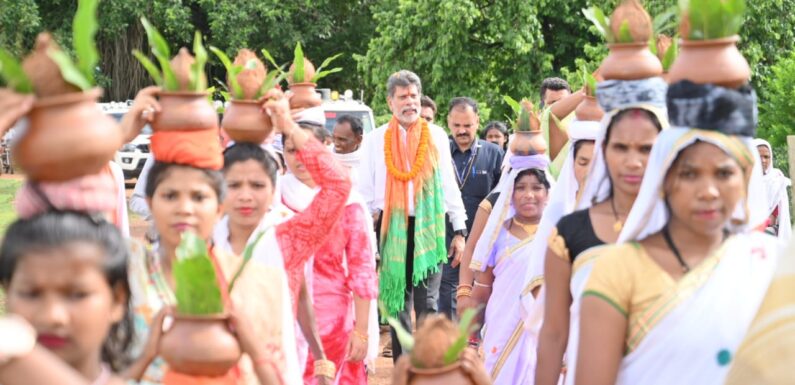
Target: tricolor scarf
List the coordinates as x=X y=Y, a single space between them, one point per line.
x=429 y=226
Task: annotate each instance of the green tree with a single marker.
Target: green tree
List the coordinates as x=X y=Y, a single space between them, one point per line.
x=776 y=114
x=472 y=48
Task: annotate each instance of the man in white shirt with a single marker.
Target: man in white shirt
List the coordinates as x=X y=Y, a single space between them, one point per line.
x=416 y=189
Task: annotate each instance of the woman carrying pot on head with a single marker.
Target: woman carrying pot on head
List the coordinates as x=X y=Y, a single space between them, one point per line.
x=634 y=118
x=250 y=178
x=673 y=303
x=184 y=192
x=500 y=255
x=343 y=278
x=776 y=185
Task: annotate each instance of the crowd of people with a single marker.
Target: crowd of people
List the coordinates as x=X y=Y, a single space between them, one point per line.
x=636 y=246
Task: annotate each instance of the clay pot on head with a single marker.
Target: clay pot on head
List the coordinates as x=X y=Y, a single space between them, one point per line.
x=42 y=70
x=245 y=121
x=304 y=96
x=67 y=137
x=200 y=346
x=630 y=61
x=589 y=110
x=185 y=111
x=451 y=374
x=715 y=61
x=528 y=143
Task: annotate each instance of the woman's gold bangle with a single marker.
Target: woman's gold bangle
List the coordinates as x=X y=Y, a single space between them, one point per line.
x=360 y=335
x=325 y=368
x=463 y=292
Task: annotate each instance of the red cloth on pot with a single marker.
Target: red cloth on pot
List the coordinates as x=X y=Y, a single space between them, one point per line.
x=199 y=148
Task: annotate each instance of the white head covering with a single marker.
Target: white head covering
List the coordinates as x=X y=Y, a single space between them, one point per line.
x=312 y=115
x=503 y=208
x=776 y=184
x=649 y=213
x=615 y=96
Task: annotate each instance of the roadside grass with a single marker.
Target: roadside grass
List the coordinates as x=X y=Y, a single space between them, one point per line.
x=8 y=189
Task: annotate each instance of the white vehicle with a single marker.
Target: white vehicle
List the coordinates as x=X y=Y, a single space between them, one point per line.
x=131 y=156
x=336 y=105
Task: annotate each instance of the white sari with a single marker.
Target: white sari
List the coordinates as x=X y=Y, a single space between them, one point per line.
x=696 y=329
x=690 y=334
x=510 y=335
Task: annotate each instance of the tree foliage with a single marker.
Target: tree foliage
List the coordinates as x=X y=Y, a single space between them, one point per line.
x=776 y=113
x=458 y=48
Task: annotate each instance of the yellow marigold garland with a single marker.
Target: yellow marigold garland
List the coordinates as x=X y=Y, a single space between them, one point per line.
x=419 y=161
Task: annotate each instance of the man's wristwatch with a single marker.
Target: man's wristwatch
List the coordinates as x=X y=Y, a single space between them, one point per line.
x=462 y=232
x=17 y=336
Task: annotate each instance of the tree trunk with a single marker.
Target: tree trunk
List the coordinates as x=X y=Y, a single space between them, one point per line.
x=126 y=74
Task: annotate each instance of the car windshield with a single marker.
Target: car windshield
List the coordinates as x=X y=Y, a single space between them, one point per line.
x=331 y=119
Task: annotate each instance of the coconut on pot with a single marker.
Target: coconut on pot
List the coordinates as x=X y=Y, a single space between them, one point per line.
x=252 y=74
x=247 y=81
x=627 y=32
x=630 y=17
x=44 y=73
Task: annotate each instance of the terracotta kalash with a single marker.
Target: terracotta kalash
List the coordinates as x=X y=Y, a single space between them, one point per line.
x=199 y=342
x=528 y=138
x=588 y=110
x=708 y=51
x=627 y=33
x=302 y=79
x=248 y=80
x=67 y=135
x=184 y=99
x=435 y=357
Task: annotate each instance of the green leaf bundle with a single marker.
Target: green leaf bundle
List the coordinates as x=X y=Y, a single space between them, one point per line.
x=232 y=71
x=198 y=82
x=321 y=73
x=670 y=55
x=80 y=73
x=298 y=62
x=465 y=327
x=713 y=19
x=600 y=21
x=163 y=76
x=196 y=283
x=13 y=75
